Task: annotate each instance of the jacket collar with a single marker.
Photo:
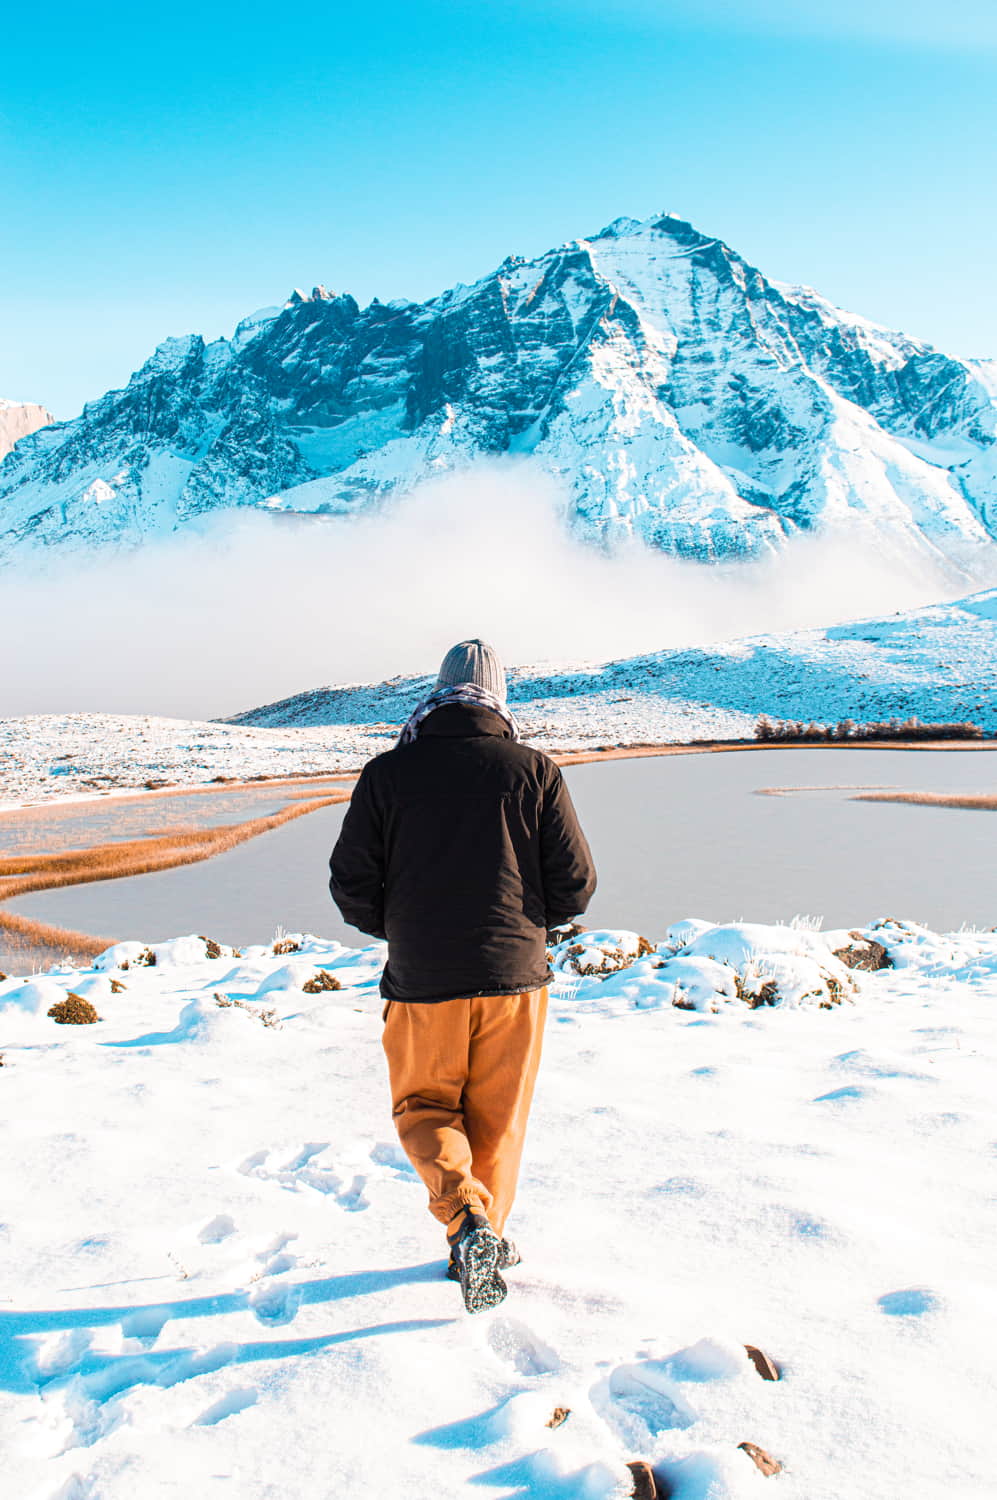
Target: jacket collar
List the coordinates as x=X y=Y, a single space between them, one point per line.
x=463 y=721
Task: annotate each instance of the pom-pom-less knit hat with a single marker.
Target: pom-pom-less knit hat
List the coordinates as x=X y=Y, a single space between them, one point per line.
x=476 y=662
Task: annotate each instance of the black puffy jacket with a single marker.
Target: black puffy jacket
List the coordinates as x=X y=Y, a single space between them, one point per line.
x=461 y=848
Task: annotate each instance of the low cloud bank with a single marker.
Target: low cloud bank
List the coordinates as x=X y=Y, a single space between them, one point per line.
x=252 y=608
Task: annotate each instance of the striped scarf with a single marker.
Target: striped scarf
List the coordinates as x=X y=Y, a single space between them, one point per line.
x=464 y=692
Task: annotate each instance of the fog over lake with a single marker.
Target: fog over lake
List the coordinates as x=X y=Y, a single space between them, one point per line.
x=673 y=836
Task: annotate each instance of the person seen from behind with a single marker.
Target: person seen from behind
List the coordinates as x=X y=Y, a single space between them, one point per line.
x=461 y=847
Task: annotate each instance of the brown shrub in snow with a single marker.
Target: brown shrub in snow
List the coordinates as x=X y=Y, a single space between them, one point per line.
x=268 y=1017
x=864 y=953
x=74 y=1011
x=322 y=980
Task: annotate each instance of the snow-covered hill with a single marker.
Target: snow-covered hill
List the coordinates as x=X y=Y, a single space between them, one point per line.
x=220 y=1277
x=18 y=419
x=936 y=664
x=678 y=394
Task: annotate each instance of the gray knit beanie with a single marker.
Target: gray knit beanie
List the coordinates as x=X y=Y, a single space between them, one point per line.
x=476 y=662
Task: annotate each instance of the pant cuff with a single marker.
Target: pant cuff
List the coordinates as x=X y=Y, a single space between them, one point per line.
x=444 y=1209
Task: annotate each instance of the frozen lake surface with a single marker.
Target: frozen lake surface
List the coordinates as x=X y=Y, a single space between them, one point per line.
x=673 y=836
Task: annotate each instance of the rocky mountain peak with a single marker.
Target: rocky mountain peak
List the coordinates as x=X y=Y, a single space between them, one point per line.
x=678 y=395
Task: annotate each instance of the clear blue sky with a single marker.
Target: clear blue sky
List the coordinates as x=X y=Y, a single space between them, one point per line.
x=168 y=169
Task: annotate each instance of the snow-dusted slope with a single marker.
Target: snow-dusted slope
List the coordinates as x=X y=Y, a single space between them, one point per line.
x=681 y=396
x=935 y=663
x=220 y=1277
x=18 y=419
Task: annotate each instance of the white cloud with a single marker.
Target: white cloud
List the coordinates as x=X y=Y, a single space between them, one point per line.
x=252 y=608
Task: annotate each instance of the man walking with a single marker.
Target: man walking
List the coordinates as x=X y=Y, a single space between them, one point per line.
x=461 y=847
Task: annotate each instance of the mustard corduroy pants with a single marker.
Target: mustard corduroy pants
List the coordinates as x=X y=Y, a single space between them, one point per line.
x=462 y=1074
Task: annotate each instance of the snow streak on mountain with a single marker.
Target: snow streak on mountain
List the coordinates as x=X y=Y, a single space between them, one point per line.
x=680 y=396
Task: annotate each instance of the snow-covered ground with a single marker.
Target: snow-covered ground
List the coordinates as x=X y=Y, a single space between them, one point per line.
x=220 y=1278
x=935 y=663
x=48 y=757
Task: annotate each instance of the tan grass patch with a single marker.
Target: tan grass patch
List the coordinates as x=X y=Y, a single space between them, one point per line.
x=976 y=802
x=46 y=872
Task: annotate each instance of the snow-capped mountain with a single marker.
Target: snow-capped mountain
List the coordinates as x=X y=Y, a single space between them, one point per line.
x=19 y=419
x=681 y=396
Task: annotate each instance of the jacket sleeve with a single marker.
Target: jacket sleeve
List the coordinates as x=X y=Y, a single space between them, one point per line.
x=566 y=862
x=357 y=862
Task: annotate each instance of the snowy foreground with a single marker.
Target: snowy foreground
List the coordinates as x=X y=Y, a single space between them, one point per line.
x=220 y=1277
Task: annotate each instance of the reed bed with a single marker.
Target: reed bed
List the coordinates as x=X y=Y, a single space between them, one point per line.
x=975 y=802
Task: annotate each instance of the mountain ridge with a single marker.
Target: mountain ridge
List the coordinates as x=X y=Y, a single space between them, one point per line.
x=677 y=395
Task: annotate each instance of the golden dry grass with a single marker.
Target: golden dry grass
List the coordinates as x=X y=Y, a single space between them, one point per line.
x=975 y=802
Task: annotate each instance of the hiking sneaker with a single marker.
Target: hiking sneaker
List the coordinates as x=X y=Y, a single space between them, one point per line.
x=475 y=1257
x=508 y=1256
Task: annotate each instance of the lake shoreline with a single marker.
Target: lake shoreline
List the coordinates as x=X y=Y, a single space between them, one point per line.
x=572 y=757
x=170 y=849
x=33 y=874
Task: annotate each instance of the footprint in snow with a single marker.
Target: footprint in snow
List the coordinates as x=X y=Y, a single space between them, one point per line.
x=278 y=1244
x=228 y=1406
x=96 y=1377
x=640 y=1400
x=221 y=1227
x=275 y=1303
x=387 y=1154
x=277 y=1265
x=147 y=1323
x=304 y=1169
x=643 y=1398
x=911 y=1302
x=520 y=1347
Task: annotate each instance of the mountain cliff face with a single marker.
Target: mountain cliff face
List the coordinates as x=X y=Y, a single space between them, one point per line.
x=681 y=397
x=18 y=419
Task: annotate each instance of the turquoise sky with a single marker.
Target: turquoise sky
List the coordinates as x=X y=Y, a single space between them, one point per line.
x=168 y=169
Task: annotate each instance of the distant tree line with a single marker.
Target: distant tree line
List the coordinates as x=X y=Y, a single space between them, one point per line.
x=782 y=730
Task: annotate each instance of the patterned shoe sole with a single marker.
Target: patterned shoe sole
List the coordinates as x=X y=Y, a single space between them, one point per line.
x=481 y=1283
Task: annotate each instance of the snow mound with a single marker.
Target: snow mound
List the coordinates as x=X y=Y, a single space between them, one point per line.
x=601 y=950
x=174 y=953
x=32 y=997
x=704 y=967
x=967 y=954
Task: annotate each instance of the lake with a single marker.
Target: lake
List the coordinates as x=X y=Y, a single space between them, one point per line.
x=673 y=836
